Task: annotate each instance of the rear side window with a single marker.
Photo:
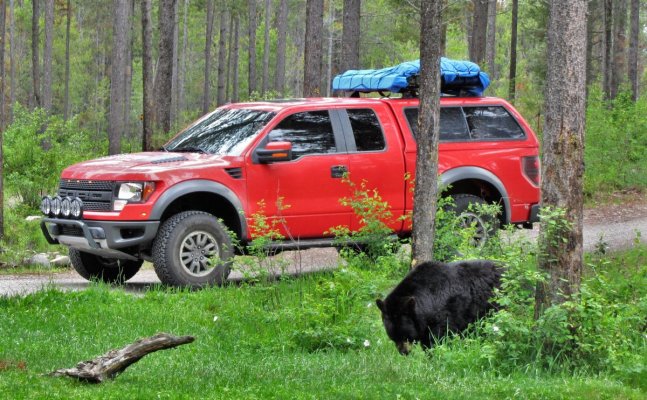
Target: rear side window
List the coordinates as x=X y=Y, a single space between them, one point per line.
x=472 y=124
x=309 y=132
x=492 y=122
x=366 y=130
x=452 y=123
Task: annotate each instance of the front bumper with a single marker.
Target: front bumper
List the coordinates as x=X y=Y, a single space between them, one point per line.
x=107 y=237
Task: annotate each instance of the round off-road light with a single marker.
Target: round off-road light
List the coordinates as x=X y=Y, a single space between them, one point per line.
x=56 y=206
x=76 y=209
x=46 y=205
x=66 y=205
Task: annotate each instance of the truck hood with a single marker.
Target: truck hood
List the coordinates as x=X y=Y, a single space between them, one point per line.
x=144 y=166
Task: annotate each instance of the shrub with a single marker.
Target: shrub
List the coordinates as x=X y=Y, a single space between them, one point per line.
x=616 y=144
x=37 y=148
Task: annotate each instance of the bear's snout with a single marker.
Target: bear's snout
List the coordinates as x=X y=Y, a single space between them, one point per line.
x=404 y=347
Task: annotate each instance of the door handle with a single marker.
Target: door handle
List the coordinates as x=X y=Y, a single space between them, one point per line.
x=338 y=171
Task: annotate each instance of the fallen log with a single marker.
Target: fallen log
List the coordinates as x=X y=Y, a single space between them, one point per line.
x=114 y=362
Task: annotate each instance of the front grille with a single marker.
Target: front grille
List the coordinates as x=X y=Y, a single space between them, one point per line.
x=96 y=195
x=87 y=185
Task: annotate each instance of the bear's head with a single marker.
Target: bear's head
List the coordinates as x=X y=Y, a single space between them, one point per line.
x=399 y=318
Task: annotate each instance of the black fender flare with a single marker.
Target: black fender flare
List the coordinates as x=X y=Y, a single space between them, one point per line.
x=199 y=185
x=463 y=173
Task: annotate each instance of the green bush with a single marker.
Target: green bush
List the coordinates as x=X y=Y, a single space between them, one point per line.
x=36 y=149
x=616 y=144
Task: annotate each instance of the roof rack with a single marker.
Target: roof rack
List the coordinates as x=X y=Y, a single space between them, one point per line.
x=458 y=78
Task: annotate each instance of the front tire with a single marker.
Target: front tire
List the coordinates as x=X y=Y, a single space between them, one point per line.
x=193 y=249
x=108 y=270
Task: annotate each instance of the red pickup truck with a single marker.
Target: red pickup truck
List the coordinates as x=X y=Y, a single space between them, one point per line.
x=177 y=207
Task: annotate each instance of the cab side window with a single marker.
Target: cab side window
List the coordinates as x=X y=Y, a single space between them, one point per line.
x=309 y=132
x=367 y=130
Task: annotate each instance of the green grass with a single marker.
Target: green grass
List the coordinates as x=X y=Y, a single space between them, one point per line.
x=253 y=351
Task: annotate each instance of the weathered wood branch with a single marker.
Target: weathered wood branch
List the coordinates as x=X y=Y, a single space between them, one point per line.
x=114 y=362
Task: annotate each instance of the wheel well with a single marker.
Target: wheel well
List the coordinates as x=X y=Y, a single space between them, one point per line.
x=210 y=203
x=478 y=188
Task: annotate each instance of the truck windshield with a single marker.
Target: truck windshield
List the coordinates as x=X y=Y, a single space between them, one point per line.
x=223 y=132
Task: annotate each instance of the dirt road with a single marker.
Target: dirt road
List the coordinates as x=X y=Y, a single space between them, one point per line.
x=615 y=227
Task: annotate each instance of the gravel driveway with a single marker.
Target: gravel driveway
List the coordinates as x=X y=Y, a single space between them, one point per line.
x=615 y=226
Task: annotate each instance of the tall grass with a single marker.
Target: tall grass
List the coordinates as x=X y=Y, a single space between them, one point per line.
x=261 y=341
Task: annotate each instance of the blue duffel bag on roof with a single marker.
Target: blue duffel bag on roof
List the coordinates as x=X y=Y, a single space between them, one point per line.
x=457 y=77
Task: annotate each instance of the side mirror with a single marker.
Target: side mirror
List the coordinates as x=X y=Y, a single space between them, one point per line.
x=274 y=152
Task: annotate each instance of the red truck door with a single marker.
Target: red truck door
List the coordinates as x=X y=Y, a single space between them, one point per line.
x=309 y=185
x=376 y=157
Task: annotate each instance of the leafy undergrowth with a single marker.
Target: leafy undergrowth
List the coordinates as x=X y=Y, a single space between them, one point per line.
x=317 y=336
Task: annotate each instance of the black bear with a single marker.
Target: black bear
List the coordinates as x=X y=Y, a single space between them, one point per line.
x=436 y=298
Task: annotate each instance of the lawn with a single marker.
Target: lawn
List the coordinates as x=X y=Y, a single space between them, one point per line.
x=313 y=337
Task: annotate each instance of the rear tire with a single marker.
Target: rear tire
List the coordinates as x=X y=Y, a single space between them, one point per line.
x=484 y=225
x=108 y=270
x=193 y=249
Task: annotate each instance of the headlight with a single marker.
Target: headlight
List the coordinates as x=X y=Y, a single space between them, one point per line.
x=76 y=209
x=56 y=206
x=66 y=206
x=132 y=192
x=135 y=191
x=46 y=205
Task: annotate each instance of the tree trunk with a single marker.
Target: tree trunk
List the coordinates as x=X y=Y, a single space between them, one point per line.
x=313 y=48
x=490 y=45
x=230 y=48
x=251 y=49
x=325 y=87
x=35 y=62
x=266 y=49
x=235 y=90
x=443 y=32
x=619 y=56
x=66 y=100
x=116 y=121
x=114 y=362
x=479 y=31
x=590 y=31
x=47 y=55
x=3 y=15
x=350 y=35
x=206 y=100
x=3 y=8
x=297 y=66
x=182 y=62
x=174 y=74
x=147 y=75
x=426 y=180
x=634 y=43
x=281 y=44
x=129 y=68
x=12 y=64
x=512 y=81
x=607 y=65
x=164 y=81
x=563 y=152
x=222 y=59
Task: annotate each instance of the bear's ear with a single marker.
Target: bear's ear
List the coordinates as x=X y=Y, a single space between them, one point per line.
x=410 y=304
x=380 y=304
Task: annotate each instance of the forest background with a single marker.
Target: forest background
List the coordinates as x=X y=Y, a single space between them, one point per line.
x=74 y=71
